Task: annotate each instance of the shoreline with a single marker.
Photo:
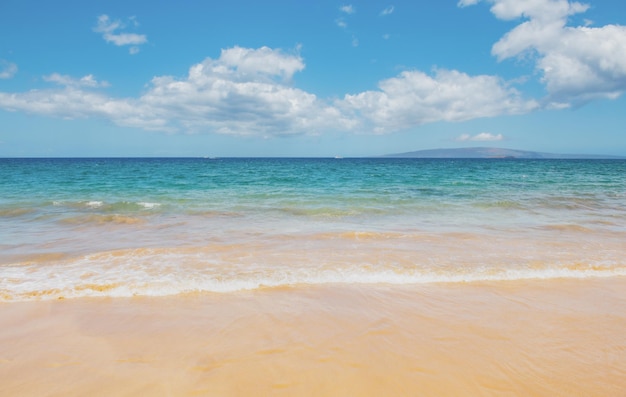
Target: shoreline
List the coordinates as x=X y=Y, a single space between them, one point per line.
x=528 y=337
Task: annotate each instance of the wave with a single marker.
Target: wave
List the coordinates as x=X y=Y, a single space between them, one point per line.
x=15 y=212
x=166 y=272
x=149 y=206
x=94 y=204
x=103 y=206
x=100 y=212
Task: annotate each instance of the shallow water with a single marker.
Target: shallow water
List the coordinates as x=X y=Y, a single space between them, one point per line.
x=155 y=227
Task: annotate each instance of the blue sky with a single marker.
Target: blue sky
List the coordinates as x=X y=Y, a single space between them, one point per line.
x=323 y=78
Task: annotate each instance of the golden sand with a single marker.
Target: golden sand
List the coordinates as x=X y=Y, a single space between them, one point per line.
x=526 y=338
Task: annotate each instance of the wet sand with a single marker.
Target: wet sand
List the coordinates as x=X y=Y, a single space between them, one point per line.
x=518 y=338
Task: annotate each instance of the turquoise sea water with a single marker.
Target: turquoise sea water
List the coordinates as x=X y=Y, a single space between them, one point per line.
x=122 y=227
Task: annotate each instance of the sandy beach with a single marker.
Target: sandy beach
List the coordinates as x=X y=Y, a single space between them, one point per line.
x=525 y=338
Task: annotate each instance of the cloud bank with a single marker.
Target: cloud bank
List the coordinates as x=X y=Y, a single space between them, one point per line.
x=243 y=92
x=250 y=91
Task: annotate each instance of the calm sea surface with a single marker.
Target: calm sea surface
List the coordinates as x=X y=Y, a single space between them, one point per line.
x=124 y=227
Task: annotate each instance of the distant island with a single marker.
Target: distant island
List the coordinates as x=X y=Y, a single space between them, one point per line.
x=493 y=153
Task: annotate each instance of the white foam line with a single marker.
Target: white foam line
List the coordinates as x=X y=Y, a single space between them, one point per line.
x=94 y=204
x=149 y=206
x=31 y=283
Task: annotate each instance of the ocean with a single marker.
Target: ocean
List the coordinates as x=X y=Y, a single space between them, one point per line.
x=312 y=277
x=166 y=226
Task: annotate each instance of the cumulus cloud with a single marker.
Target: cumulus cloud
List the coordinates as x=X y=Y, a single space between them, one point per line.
x=7 y=69
x=250 y=92
x=109 y=29
x=576 y=63
x=414 y=98
x=482 y=137
x=548 y=10
x=258 y=64
x=243 y=92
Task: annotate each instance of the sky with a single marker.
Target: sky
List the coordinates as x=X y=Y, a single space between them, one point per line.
x=130 y=78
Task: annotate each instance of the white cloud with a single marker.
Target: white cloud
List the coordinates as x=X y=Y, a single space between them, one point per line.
x=69 y=102
x=108 y=29
x=387 y=11
x=247 y=63
x=85 y=81
x=250 y=92
x=415 y=98
x=483 y=137
x=341 y=23
x=577 y=64
x=7 y=69
x=547 y=10
x=244 y=92
x=348 y=9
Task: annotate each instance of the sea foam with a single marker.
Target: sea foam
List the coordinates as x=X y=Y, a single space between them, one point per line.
x=157 y=272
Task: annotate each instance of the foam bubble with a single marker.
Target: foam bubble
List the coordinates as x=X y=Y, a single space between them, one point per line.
x=149 y=206
x=94 y=204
